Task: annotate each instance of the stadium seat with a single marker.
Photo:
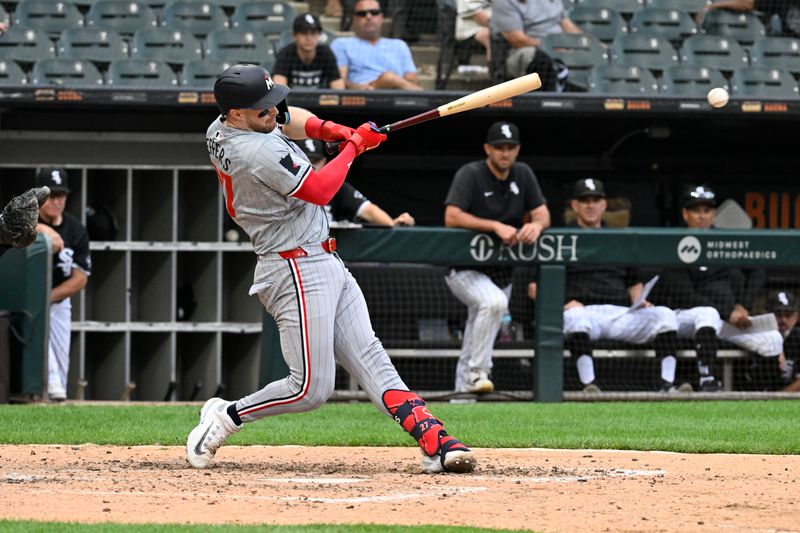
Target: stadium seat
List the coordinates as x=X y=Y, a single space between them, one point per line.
x=686 y=80
x=687 y=6
x=199 y=18
x=238 y=46
x=626 y=7
x=568 y=4
x=94 y=44
x=287 y=37
x=141 y=73
x=643 y=50
x=202 y=74
x=622 y=80
x=48 y=15
x=777 y=52
x=11 y=73
x=123 y=16
x=66 y=72
x=579 y=52
x=713 y=51
x=744 y=27
x=166 y=44
x=600 y=22
x=4 y=16
x=25 y=44
x=763 y=82
x=672 y=24
x=267 y=18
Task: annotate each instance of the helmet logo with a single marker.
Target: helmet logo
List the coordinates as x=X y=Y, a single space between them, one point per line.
x=269 y=82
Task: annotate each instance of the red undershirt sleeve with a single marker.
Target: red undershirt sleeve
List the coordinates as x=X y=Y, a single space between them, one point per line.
x=319 y=187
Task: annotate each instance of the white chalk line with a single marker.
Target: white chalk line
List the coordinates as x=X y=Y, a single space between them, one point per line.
x=314 y=480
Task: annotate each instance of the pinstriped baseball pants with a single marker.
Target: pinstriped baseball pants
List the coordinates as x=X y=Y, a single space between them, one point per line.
x=322 y=319
x=59 y=346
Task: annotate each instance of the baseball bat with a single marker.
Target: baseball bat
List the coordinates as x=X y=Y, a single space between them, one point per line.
x=484 y=97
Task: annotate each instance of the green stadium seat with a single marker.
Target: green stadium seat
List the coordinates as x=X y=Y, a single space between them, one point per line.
x=763 y=82
x=25 y=45
x=122 y=16
x=269 y=18
x=777 y=52
x=579 y=52
x=141 y=73
x=11 y=73
x=166 y=44
x=287 y=37
x=202 y=74
x=626 y=7
x=672 y=24
x=687 y=6
x=66 y=72
x=687 y=80
x=744 y=27
x=713 y=51
x=4 y=17
x=199 y=18
x=238 y=46
x=94 y=44
x=600 y=22
x=622 y=80
x=48 y=15
x=643 y=50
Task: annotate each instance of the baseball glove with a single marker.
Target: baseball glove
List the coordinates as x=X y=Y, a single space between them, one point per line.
x=18 y=219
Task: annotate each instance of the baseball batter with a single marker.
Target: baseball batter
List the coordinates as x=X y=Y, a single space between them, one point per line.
x=72 y=266
x=272 y=191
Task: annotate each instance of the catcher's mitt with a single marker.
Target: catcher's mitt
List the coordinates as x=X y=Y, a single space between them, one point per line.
x=18 y=219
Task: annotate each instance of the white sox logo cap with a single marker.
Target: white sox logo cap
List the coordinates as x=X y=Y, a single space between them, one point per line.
x=55 y=178
x=589 y=187
x=502 y=133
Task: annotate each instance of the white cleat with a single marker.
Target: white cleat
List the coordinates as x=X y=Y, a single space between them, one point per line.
x=479 y=382
x=456 y=461
x=215 y=426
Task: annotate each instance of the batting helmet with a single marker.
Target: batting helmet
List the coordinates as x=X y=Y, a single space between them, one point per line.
x=248 y=87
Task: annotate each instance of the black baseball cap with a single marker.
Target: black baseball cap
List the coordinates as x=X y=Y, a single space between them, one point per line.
x=700 y=194
x=502 y=133
x=588 y=187
x=306 y=22
x=247 y=87
x=780 y=301
x=55 y=178
x=313 y=148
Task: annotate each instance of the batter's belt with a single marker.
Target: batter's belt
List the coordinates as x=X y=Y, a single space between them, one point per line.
x=328 y=246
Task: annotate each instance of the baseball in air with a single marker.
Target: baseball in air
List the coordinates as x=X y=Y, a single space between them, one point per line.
x=718 y=97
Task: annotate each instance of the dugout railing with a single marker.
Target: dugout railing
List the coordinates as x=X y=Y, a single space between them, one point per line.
x=654 y=247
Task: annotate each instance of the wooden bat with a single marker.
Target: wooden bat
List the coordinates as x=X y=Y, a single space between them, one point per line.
x=484 y=97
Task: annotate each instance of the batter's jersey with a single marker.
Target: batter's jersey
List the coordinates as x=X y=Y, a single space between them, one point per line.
x=75 y=253
x=258 y=172
x=347 y=203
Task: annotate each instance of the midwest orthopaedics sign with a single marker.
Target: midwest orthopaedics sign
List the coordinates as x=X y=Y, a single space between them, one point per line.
x=549 y=248
x=690 y=249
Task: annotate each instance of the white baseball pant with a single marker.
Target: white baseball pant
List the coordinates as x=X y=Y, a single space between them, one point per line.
x=486 y=304
x=690 y=320
x=59 y=346
x=619 y=323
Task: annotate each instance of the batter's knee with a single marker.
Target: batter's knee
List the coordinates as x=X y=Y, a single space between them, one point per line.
x=707 y=317
x=666 y=319
x=318 y=392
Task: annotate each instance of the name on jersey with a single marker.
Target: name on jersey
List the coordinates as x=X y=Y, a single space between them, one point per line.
x=218 y=152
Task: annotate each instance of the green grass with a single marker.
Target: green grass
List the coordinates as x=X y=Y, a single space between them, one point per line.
x=59 y=527
x=768 y=427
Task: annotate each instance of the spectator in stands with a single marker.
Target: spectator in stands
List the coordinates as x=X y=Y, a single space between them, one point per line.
x=783 y=305
x=306 y=62
x=520 y=25
x=72 y=266
x=19 y=217
x=495 y=195
x=599 y=303
x=333 y=8
x=349 y=203
x=472 y=21
x=788 y=11
x=368 y=61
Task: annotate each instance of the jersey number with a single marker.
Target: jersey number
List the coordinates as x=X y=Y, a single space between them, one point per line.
x=227 y=182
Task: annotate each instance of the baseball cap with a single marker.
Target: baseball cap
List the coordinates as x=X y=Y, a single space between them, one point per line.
x=781 y=301
x=55 y=178
x=313 y=148
x=502 y=133
x=589 y=187
x=247 y=87
x=306 y=22
x=700 y=194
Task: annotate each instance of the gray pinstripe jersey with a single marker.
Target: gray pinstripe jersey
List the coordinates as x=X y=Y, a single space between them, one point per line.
x=258 y=172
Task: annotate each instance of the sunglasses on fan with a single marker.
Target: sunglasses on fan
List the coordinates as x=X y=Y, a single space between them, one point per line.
x=365 y=12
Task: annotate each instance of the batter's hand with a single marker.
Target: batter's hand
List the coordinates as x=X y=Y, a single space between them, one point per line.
x=507 y=234
x=530 y=232
x=327 y=130
x=366 y=137
x=404 y=219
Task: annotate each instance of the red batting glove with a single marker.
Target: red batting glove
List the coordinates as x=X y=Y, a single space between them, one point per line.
x=327 y=131
x=366 y=137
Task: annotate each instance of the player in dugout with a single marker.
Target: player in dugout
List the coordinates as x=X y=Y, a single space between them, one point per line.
x=273 y=192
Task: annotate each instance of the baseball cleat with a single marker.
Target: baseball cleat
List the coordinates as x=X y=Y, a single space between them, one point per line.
x=479 y=382
x=215 y=426
x=452 y=456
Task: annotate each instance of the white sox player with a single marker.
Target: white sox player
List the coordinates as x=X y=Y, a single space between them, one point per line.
x=272 y=191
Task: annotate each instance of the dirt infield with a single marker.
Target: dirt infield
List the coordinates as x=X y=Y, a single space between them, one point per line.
x=544 y=490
